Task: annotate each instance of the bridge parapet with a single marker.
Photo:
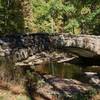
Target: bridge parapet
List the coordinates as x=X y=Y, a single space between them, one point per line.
x=23 y=46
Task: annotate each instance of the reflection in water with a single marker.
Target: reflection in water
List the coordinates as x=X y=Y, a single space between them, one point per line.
x=63 y=70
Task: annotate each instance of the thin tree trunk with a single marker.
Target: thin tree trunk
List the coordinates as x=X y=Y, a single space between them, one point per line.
x=27 y=14
x=52 y=25
x=18 y=16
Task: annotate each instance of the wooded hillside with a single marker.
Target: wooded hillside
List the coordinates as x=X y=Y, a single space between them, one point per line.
x=52 y=16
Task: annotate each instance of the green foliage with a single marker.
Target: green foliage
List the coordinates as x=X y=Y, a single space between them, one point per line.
x=85 y=96
x=46 y=13
x=52 y=16
x=72 y=25
x=70 y=16
x=11 y=18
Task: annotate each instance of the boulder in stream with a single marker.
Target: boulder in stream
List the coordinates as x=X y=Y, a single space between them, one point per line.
x=54 y=88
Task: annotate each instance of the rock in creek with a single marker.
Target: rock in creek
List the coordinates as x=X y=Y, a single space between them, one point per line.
x=93 y=78
x=54 y=88
x=43 y=57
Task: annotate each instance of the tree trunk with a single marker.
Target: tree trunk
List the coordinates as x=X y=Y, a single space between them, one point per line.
x=18 y=16
x=27 y=14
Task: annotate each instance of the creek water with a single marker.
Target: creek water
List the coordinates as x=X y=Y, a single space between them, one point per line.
x=67 y=70
x=62 y=70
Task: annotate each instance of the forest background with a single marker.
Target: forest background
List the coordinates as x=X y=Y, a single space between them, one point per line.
x=50 y=16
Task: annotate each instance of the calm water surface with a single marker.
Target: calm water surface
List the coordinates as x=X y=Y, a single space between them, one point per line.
x=63 y=70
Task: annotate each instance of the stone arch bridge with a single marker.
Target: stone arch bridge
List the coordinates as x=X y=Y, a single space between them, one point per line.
x=21 y=47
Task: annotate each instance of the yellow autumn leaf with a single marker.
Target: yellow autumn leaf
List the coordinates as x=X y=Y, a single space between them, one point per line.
x=77 y=30
x=85 y=10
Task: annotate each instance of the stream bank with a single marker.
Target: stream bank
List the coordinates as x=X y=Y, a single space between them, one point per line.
x=66 y=75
